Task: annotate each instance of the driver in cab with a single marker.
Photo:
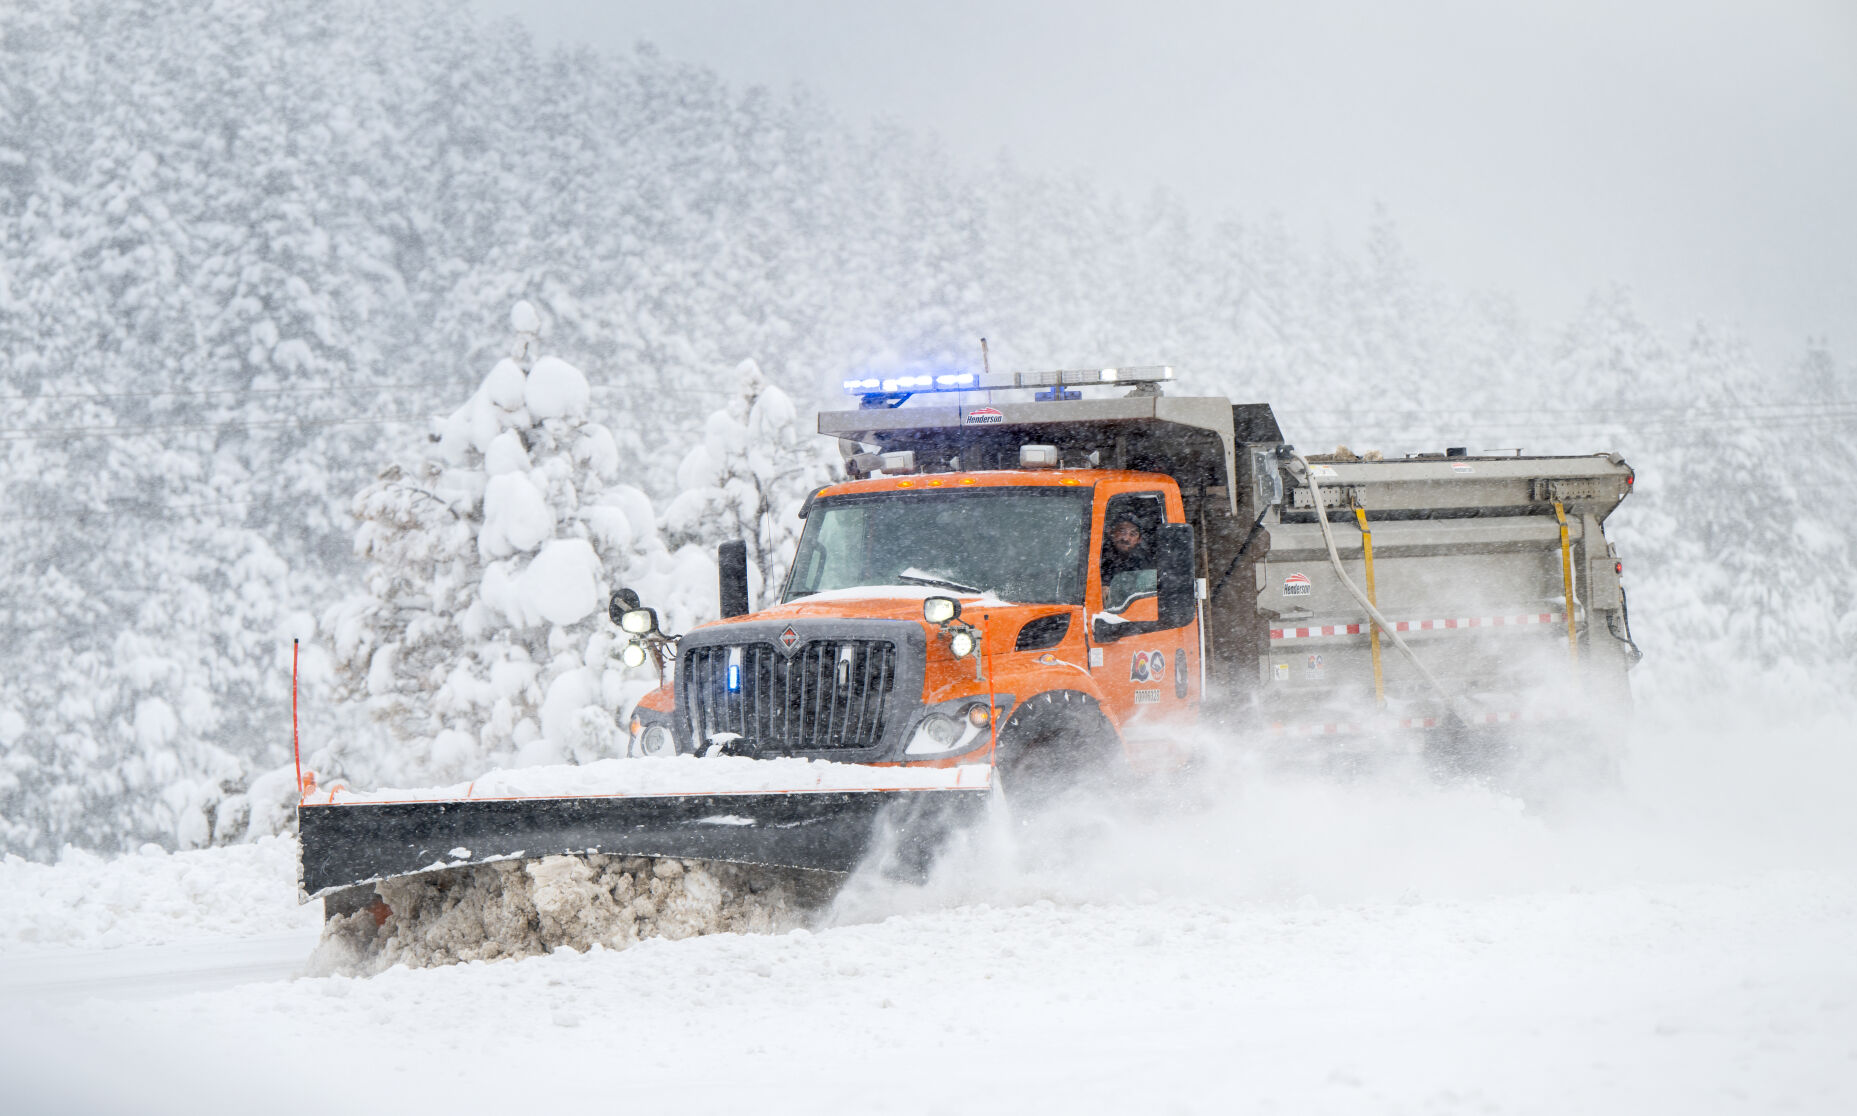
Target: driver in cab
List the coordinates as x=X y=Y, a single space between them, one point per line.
x=1128 y=563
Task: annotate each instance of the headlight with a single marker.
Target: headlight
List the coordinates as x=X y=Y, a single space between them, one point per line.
x=632 y=655
x=940 y=610
x=657 y=742
x=939 y=733
x=639 y=621
x=962 y=644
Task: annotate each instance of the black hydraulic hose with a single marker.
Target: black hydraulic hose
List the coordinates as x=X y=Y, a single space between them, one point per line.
x=1624 y=607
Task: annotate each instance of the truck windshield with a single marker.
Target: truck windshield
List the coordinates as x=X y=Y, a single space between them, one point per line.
x=1020 y=544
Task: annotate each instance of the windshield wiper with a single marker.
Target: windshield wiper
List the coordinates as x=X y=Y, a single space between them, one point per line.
x=922 y=577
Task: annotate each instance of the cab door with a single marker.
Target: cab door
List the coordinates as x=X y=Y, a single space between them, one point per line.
x=1147 y=670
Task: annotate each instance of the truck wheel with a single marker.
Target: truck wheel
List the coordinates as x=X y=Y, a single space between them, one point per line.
x=1473 y=753
x=1056 y=743
x=1541 y=764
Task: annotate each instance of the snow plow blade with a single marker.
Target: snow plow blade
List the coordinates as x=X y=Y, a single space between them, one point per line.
x=347 y=844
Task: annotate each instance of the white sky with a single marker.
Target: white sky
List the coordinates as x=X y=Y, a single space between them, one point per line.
x=1704 y=153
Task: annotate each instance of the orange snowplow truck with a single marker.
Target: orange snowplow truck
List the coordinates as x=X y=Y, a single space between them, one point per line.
x=1014 y=593
x=1092 y=577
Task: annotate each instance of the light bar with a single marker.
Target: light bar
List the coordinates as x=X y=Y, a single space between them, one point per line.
x=1003 y=381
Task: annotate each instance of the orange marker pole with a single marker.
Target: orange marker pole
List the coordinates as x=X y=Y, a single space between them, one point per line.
x=986 y=648
x=296 y=750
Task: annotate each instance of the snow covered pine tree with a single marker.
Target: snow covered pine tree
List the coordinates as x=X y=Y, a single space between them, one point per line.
x=747 y=479
x=481 y=639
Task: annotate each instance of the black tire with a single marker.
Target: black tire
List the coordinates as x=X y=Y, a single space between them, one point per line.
x=1541 y=764
x=1481 y=753
x=1054 y=744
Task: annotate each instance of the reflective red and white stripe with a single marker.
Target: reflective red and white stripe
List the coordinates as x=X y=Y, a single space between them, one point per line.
x=1340 y=728
x=1516 y=621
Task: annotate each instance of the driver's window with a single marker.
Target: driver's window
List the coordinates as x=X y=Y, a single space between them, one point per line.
x=1127 y=559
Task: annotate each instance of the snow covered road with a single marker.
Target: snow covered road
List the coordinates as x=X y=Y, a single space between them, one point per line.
x=153 y=972
x=1693 y=998
x=1369 y=948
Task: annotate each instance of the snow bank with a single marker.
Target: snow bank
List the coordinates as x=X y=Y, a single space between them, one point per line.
x=88 y=902
x=681 y=775
x=533 y=907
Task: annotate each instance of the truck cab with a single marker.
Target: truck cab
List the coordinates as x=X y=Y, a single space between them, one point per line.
x=1044 y=605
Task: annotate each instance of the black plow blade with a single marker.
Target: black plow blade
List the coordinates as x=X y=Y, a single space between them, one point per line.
x=348 y=844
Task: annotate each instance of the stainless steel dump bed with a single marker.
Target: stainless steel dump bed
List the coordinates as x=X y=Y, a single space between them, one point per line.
x=1495 y=572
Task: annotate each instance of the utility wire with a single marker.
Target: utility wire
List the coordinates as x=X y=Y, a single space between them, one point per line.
x=1355 y=422
x=134 y=512
x=32 y=433
x=1803 y=406
x=323 y=389
x=328 y=389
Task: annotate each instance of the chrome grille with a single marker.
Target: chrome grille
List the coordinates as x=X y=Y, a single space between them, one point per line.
x=828 y=694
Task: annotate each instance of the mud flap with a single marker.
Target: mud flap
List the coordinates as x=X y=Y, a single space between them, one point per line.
x=342 y=845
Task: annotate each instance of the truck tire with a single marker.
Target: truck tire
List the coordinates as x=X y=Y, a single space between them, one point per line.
x=1056 y=743
x=1541 y=764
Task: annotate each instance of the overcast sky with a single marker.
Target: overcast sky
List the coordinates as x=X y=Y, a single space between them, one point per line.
x=1704 y=153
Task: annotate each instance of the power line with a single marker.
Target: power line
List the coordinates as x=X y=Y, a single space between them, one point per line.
x=34 y=434
x=328 y=389
x=1654 y=426
x=1812 y=407
x=324 y=389
x=337 y=390
x=1799 y=416
x=78 y=514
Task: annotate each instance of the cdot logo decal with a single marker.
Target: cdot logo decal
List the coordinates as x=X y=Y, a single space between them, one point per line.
x=1296 y=585
x=982 y=416
x=1147 y=666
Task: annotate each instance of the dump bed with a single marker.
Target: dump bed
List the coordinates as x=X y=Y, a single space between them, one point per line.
x=1472 y=565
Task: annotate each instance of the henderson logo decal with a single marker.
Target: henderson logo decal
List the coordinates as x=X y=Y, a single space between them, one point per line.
x=1296 y=585
x=981 y=416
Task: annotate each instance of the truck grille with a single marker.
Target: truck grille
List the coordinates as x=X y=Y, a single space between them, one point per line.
x=829 y=694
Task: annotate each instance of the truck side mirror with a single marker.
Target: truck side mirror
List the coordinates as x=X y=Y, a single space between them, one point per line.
x=732 y=577
x=1174 y=576
x=622 y=602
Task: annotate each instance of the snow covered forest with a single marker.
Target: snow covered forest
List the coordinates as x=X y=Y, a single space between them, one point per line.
x=258 y=264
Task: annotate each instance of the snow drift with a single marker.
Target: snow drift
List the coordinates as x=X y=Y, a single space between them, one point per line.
x=531 y=907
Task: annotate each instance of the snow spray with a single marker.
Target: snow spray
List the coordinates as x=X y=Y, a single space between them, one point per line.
x=1718 y=783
